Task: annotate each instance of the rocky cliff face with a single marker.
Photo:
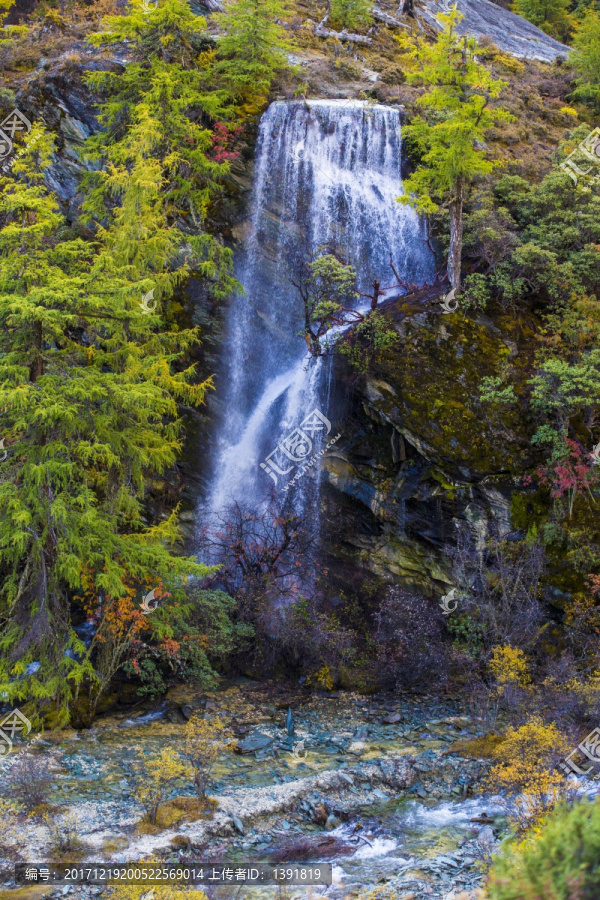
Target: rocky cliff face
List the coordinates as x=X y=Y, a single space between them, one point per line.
x=510 y=32
x=420 y=455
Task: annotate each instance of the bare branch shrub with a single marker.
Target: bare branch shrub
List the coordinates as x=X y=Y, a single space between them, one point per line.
x=411 y=644
x=28 y=780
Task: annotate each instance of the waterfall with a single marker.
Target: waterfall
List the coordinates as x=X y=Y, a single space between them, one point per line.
x=327 y=172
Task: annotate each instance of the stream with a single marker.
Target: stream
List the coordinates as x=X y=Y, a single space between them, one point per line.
x=378 y=788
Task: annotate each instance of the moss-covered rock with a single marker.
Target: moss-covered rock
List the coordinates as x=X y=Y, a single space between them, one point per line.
x=420 y=450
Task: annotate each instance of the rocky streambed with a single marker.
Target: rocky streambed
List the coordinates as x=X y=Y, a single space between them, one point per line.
x=376 y=786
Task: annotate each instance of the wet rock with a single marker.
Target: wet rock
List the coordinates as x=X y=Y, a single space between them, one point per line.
x=238 y=825
x=396 y=774
x=255 y=741
x=74 y=130
x=187 y=711
x=391 y=718
x=332 y=822
x=486 y=836
x=448 y=861
x=320 y=814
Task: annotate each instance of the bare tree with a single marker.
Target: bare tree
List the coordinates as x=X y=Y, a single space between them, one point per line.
x=409 y=640
x=262 y=554
x=268 y=563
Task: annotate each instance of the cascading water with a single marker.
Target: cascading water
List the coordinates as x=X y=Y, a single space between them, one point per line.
x=327 y=174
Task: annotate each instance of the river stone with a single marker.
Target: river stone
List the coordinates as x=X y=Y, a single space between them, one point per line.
x=486 y=836
x=255 y=741
x=391 y=718
x=238 y=825
x=447 y=861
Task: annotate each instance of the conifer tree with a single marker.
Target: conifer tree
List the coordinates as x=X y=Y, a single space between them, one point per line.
x=350 y=13
x=8 y=33
x=450 y=134
x=161 y=115
x=586 y=59
x=89 y=393
x=252 y=49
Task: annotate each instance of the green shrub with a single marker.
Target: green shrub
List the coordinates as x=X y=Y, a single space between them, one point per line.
x=560 y=862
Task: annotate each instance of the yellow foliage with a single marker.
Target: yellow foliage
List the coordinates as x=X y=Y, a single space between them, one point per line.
x=507 y=62
x=569 y=111
x=205 y=741
x=322 y=677
x=525 y=769
x=475 y=748
x=52 y=17
x=9 y=808
x=156 y=777
x=409 y=43
x=190 y=808
x=587 y=692
x=155 y=892
x=12 y=833
x=508 y=665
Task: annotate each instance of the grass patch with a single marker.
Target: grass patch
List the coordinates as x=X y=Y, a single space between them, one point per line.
x=475 y=748
x=114 y=844
x=176 y=810
x=30 y=892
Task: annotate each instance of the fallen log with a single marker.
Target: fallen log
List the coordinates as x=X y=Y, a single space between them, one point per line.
x=382 y=16
x=344 y=35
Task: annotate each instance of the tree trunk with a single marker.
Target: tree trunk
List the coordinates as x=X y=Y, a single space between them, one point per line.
x=376 y=294
x=37 y=366
x=456 y=236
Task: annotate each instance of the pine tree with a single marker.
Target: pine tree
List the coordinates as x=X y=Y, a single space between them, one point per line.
x=8 y=33
x=252 y=49
x=450 y=135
